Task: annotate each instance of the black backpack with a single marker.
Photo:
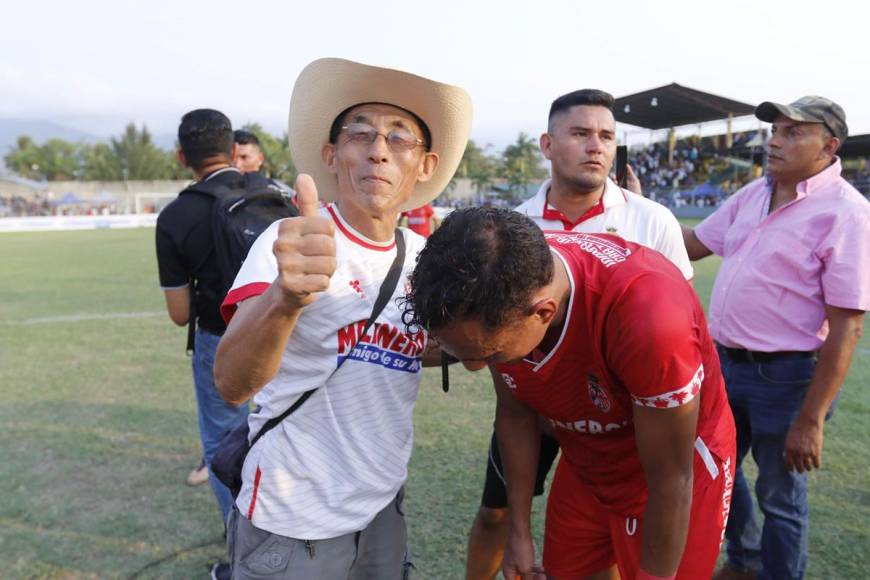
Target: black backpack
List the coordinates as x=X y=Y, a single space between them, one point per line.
x=239 y=215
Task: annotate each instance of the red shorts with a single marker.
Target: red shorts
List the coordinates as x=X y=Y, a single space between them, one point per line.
x=582 y=537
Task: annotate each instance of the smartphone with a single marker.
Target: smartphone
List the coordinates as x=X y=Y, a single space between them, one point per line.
x=621 y=165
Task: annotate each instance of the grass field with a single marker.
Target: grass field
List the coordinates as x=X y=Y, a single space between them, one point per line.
x=99 y=431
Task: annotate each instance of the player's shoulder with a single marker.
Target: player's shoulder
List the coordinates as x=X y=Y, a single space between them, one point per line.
x=652 y=298
x=584 y=251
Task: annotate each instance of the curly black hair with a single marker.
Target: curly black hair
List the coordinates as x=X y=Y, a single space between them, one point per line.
x=482 y=263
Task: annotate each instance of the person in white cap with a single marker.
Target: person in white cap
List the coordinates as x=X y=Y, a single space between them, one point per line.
x=322 y=491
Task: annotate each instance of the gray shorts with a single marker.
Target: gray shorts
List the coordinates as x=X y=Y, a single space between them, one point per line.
x=380 y=551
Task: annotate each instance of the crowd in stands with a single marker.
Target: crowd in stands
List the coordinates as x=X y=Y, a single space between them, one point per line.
x=698 y=160
x=656 y=173
x=41 y=205
x=17 y=206
x=857 y=172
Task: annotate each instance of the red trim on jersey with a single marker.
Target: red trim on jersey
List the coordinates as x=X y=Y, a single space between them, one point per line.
x=568 y=316
x=254 y=495
x=675 y=398
x=353 y=237
x=551 y=213
x=228 y=307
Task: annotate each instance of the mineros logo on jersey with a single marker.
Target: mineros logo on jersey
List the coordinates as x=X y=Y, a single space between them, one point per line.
x=607 y=252
x=597 y=394
x=384 y=345
x=587 y=426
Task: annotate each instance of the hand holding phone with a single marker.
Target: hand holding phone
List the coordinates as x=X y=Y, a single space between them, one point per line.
x=621 y=165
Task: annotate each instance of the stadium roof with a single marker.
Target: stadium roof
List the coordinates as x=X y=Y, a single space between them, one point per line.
x=855 y=146
x=674 y=105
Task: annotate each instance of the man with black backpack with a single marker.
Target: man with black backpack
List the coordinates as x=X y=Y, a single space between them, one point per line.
x=202 y=237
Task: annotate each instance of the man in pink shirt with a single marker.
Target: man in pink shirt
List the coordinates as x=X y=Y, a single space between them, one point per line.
x=787 y=310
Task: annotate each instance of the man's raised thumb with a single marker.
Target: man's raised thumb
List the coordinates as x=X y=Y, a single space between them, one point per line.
x=306 y=196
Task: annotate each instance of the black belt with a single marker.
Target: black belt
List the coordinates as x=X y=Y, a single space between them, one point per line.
x=753 y=356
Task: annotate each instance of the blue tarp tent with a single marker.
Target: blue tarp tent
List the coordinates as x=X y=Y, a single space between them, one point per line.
x=704 y=190
x=69 y=198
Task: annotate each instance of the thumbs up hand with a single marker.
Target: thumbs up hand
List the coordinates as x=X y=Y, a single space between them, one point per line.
x=305 y=248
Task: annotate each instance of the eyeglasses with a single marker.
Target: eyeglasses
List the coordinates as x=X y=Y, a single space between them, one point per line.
x=398 y=140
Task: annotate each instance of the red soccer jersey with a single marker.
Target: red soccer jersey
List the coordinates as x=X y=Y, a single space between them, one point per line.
x=420 y=219
x=634 y=334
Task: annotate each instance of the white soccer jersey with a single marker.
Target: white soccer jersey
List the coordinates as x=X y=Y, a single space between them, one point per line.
x=332 y=465
x=622 y=213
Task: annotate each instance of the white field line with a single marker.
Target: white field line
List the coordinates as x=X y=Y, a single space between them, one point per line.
x=82 y=318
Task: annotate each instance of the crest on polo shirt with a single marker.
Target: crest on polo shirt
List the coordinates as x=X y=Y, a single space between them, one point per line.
x=597 y=394
x=509 y=381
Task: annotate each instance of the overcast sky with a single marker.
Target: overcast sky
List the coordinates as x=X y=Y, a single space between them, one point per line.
x=96 y=65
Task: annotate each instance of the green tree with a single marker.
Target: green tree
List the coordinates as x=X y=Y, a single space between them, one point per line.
x=54 y=160
x=24 y=158
x=479 y=166
x=279 y=163
x=99 y=163
x=139 y=157
x=62 y=159
x=521 y=164
x=176 y=169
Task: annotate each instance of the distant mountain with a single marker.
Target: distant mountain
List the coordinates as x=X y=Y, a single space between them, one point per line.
x=165 y=140
x=40 y=131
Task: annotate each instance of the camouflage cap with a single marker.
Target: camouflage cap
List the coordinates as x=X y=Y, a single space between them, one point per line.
x=809 y=109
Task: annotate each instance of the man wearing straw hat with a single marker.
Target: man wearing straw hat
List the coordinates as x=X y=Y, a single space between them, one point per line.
x=322 y=491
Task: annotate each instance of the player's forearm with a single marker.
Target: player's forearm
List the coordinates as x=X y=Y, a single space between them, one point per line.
x=250 y=352
x=835 y=357
x=666 y=523
x=665 y=443
x=519 y=442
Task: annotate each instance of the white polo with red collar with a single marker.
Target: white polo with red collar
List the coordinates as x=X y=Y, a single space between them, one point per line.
x=619 y=212
x=331 y=466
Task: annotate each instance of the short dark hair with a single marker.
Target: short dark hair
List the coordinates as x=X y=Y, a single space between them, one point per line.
x=243 y=137
x=483 y=263
x=339 y=121
x=592 y=97
x=204 y=134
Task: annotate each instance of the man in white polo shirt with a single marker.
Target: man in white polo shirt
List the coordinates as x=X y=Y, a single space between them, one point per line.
x=322 y=491
x=580 y=143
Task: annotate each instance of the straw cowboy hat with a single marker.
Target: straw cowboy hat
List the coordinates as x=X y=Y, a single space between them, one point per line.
x=328 y=86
